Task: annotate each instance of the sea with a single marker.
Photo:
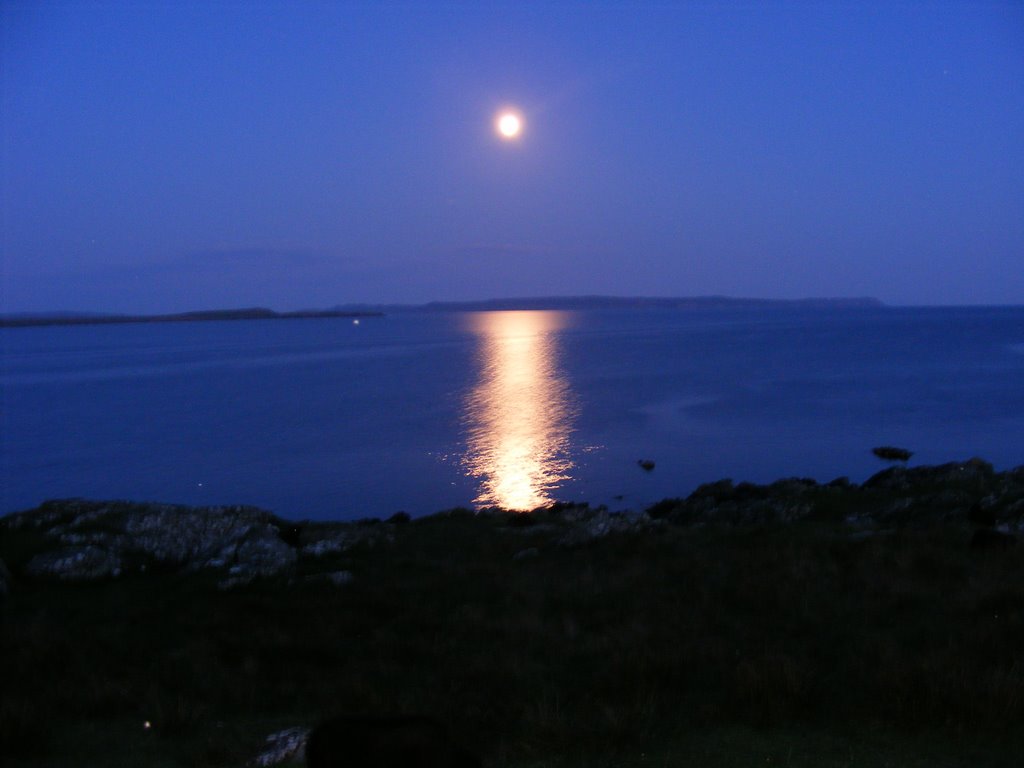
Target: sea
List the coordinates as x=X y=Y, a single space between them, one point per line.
x=348 y=418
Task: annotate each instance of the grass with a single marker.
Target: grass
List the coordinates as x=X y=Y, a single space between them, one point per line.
x=793 y=645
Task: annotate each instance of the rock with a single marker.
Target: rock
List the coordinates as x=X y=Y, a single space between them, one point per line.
x=895 y=497
x=891 y=453
x=260 y=553
x=76 y=564
x=200 y=536
x=98 y=537
x=48 y=514
x=646 y=465
x=901 y=478
x=289 y=744
x=723 y=503
x=361 y=533
x=599 y=523
x=337 y=543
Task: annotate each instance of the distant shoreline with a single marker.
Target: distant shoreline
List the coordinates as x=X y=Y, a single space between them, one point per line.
x=535 y=303
x=27 y=321
x=591 y=302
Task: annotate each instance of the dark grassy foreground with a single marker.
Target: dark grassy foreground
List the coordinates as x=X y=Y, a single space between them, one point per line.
x=792 y=645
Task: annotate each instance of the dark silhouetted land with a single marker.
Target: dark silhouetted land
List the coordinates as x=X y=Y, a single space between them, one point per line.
x=794 y=624
x=622 y=302
x=377 y=310
x=26 y=320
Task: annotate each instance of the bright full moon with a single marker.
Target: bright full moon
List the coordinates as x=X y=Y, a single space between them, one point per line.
x=509 y=125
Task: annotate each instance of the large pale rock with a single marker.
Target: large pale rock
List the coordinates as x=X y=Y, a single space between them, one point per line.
x=96 y=538
x=289 y=744
x=76 y=564
x=952 y=474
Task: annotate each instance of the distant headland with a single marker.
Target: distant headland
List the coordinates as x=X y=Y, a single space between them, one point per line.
x=483 y=305
x=69 y=318
x=619 y=302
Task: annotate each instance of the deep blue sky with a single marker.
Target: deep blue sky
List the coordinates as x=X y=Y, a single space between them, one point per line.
x=173 y=156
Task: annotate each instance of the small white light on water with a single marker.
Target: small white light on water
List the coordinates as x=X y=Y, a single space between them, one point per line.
x=356 y=321
x=146 y=725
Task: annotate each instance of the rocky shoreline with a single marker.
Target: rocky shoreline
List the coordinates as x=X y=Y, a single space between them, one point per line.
x=80 y=540
x=187 y=634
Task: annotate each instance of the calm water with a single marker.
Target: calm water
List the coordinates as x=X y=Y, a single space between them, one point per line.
x=326 y=419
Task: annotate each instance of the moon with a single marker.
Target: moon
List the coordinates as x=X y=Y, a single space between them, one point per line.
x=509 y=125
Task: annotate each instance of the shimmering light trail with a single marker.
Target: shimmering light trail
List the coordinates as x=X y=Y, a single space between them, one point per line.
x=519 y=415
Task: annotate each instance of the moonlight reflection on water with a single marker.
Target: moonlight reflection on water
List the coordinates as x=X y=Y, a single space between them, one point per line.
x=520 y=413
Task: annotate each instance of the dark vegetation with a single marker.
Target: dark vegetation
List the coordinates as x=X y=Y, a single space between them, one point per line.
x=712 y=639
x=385 y=742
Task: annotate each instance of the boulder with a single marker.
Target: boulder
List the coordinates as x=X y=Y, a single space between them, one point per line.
x=892 y=453
x=199 y=537
x=260 y=553
x=96 y=539
x=339 y=542
x=286 y=745
x=367 y=533
x=974 y=471
x=747 y=503
x=76 y=564
x=598 y=523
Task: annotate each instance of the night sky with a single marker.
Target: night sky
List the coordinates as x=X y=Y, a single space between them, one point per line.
x=172 y=156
